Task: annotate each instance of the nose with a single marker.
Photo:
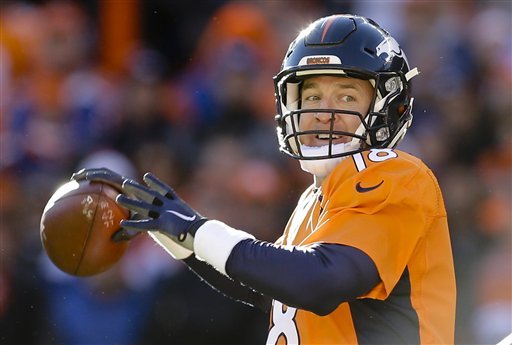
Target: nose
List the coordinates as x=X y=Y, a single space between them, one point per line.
x=324 y=116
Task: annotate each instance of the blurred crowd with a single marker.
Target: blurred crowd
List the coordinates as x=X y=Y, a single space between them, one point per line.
x=184 y=89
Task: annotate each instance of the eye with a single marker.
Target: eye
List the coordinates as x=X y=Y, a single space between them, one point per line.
x=312 y=98
x=348 y=98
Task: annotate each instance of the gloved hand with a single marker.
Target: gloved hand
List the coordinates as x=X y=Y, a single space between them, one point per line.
x=111 y=178
x=116 y=180
x=163 y=209
x=100 y=175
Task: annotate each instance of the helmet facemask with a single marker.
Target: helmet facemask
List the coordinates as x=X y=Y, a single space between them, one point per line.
x=373 y=123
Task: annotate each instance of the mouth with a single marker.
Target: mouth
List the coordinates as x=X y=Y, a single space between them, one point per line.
x=327 y=137
x=324 y=139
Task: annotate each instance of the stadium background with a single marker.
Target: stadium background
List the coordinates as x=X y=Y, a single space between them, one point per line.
x=184 y=89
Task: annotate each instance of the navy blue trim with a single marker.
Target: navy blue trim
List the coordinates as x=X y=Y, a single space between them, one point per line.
x=392 y=321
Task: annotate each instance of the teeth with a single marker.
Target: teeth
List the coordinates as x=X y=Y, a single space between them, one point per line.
x=327 y=136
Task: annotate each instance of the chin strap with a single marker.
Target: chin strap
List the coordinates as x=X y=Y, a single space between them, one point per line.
x=320 y=167
x=323 y=167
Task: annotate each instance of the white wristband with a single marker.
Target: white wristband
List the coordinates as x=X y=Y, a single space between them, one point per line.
x=214 y=242
x=174 y=249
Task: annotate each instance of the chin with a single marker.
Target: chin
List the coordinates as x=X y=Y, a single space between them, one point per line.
x=323 y=166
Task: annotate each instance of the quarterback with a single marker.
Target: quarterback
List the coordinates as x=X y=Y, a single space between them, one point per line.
x=365 y=258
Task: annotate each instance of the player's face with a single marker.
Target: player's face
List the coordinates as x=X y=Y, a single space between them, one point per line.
x=332 y=92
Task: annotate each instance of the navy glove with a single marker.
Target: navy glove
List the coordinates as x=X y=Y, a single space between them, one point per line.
x=114 y=180
x=163 y=209
x=100 y=175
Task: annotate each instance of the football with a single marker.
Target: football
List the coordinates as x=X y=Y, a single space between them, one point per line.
x=77 y=225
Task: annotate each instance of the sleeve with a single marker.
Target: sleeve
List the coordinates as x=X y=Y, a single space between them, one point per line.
x=335 y=273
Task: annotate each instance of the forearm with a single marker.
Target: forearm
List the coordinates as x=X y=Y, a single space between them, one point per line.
x=227 y=286
x=316 y=278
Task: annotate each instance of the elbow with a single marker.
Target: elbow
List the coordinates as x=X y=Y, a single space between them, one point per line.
x=322 y=301
x=322 y=306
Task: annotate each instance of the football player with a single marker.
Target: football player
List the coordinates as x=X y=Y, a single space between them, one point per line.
x=365 y=257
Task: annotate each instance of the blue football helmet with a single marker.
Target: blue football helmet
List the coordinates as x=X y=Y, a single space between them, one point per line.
x=349 y=46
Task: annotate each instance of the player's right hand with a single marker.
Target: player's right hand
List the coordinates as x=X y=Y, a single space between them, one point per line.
x=116 y=180
x=100 y=175
x=163 y=209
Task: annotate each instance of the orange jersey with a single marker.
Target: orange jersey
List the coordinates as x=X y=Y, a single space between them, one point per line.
x=388 y=204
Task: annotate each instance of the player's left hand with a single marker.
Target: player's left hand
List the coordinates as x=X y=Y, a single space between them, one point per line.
x=163 y=209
